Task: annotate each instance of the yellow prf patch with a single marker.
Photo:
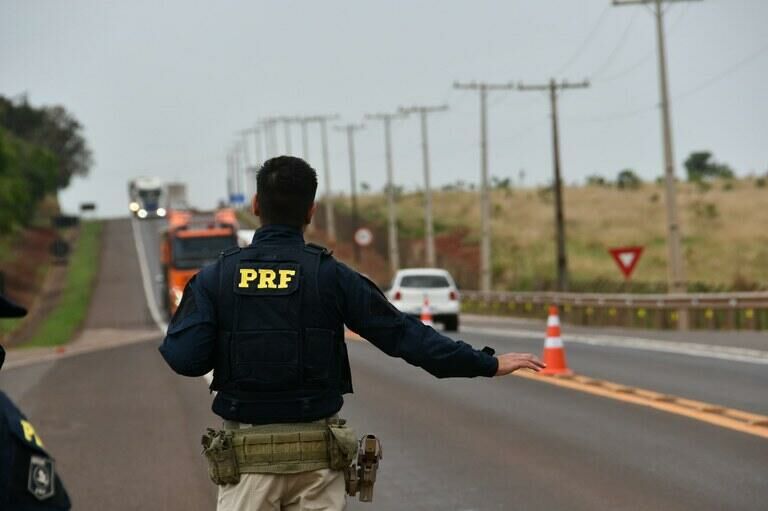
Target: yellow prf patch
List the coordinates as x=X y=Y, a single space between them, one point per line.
x=30 y=435
x=266 y=278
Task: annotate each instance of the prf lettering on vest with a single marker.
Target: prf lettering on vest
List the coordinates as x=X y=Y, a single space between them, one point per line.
x=266 y=278
x=30 y=434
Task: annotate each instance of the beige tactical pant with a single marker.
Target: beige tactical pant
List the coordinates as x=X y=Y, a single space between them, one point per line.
x=319 y=490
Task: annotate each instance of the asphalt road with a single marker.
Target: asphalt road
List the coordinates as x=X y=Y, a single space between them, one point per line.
x=125 y=430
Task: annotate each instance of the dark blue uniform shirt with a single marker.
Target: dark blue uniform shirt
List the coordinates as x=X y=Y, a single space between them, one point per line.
x=190 y=352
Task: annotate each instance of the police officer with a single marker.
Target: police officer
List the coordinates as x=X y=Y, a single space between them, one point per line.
x=269 y=321
x=28 y=479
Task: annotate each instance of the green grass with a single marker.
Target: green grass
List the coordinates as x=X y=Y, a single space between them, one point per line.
x=62 y=323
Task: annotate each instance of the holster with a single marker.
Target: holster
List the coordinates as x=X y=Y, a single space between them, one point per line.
x=361 y=476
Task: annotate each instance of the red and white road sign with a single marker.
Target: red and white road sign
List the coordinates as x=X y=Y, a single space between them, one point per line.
x=626 y=258
x=363 y=236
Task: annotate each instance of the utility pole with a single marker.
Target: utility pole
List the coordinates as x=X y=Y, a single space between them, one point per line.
x=394 y=251
x=250 y=182
x=270 y=137
x=485 y=198
x=350 y=130
x=230 y=173
x=429 y=236
x=287 y=129
x=562 y=259
x=303 y=121
x=330 y=221
x=676 y=267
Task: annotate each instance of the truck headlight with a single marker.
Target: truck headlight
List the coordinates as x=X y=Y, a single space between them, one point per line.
x=161 y=211
x=142 y=213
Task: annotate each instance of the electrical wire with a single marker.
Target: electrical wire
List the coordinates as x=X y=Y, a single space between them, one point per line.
x=585 y=43
x=646 y=57
x=622 y=40
x=722 y=74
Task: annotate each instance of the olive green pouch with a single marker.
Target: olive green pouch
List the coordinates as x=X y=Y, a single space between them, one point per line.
x=343 y=444
x=219 y=450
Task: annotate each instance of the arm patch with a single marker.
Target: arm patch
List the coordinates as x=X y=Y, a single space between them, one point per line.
x=266 y=279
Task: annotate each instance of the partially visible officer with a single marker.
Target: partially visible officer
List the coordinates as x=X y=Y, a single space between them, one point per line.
x=28 y=479
x=269 y=321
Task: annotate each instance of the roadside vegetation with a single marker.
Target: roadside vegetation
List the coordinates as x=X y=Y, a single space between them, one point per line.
x=41 y=149
x=62 y=323
x=723 y=224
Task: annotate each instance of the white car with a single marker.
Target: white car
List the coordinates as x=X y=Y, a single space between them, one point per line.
x=412 y=286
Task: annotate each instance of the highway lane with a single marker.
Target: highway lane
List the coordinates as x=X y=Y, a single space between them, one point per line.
x=738 y=385
x=519 y=444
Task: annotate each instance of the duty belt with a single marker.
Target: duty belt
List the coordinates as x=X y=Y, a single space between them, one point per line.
x=278 y=449
x=281 y=448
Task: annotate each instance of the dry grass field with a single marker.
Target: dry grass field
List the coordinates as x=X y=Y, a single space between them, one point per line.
x=724 y=223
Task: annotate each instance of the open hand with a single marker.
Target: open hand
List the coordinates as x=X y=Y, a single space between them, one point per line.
x=511 y=362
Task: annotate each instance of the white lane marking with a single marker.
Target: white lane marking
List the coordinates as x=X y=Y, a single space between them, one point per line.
x=147 y=284
x=636 y=343
x=146 y=278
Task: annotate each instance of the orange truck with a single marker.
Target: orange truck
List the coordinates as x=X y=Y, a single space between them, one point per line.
x=191 y=241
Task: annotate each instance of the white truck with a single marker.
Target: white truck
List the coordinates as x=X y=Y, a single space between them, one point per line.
x=146 y=197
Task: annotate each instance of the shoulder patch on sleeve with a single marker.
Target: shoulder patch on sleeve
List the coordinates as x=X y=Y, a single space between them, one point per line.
x=266 y=279
x=41 y=481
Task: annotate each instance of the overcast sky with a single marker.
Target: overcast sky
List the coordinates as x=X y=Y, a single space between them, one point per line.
x=162 y=87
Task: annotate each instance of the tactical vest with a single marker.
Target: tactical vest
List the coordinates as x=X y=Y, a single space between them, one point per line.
x=280 y=356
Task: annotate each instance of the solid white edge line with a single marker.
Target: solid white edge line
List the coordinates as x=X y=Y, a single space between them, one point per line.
x=680 y=348
x=149 y=293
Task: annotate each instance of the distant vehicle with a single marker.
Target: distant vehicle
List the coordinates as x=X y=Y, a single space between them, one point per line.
x=146 y=197
x=412 y=286
x=176 y=196
x=190 y=242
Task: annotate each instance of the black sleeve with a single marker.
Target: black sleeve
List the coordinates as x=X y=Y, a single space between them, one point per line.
x=366 y=311
x=188 y=347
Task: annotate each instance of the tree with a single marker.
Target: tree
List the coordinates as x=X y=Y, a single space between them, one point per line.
x=699 y=166
x=628 y=179
x=50 y=128
x=596 y=180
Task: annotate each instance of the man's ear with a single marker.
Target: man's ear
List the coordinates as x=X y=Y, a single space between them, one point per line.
x=311 y=213
x=255 y=205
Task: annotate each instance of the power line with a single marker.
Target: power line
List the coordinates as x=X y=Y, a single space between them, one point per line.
x=394 y=252
x=350 y=130
x=552 y=87
x=485 y=199
x=676 y=275
x=330 y=220
x=429 y=235
x=585 y=43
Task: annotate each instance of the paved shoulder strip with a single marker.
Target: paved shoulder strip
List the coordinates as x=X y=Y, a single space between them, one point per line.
x=637 y=343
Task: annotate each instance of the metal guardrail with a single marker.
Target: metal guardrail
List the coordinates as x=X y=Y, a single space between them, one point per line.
x=743 y=310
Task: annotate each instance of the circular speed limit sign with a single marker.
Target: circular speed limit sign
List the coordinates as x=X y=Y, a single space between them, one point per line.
x=363 y=236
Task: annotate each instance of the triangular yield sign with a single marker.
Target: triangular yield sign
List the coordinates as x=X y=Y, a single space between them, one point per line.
x=626 y=258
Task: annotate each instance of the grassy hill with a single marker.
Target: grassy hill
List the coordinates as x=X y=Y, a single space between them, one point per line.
x=724 y=224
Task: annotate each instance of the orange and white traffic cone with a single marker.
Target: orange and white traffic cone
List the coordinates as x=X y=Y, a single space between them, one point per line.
x=426 y=313
x=554 y=352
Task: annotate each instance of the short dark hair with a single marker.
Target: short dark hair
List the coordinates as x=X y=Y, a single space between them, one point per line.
x=286 y=186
